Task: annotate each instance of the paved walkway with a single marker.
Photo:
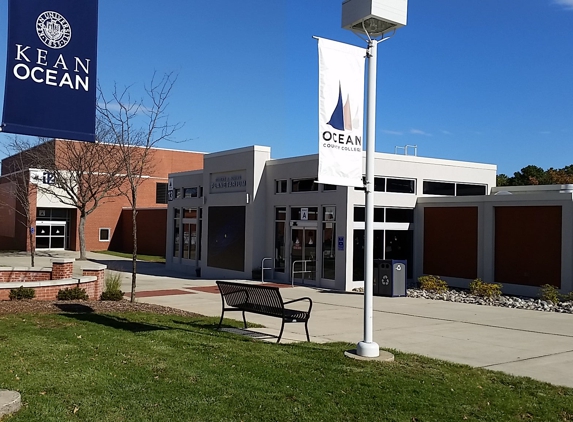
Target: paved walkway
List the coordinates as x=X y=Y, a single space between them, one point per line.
x=528 y=343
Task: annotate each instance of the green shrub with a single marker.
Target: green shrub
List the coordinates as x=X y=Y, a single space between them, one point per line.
x=22 y=293
x=432 y=283
x=112 y=289
x=74 y=293
x=488 y=290
x=114 y=295
x=549 y=293
x=112 y=282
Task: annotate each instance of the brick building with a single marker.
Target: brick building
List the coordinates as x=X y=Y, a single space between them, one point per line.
x=56 y=224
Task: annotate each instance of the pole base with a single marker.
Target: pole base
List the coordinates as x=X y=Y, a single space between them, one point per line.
x=368 y=350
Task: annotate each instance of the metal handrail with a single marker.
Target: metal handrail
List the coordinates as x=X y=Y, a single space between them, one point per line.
x=303 y=271
x=263 y=268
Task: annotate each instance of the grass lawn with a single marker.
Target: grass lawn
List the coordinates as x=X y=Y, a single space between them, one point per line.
x=148 y=258
x=148 y=367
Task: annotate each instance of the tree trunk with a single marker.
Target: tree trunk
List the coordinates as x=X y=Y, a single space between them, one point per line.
x=134 y=256
x=32 y=245
x=82 y=234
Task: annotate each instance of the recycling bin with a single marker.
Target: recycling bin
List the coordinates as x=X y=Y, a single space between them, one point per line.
x=389 y=278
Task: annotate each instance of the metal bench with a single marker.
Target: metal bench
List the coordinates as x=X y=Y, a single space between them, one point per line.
x=262 y=300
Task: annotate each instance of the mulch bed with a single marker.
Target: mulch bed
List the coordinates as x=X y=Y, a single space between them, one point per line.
x=100 y=307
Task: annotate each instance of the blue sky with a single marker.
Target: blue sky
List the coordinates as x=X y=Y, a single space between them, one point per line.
x=478 y=80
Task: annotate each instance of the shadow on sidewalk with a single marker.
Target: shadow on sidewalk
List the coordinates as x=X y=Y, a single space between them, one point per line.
x=146 y=268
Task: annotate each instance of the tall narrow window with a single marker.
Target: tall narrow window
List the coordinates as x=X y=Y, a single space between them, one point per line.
x=280 y=227
x=329 y=243
x=161 y=193
x=177 y=233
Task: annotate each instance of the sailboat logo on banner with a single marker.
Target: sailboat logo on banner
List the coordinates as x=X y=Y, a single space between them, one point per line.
x=341 y=118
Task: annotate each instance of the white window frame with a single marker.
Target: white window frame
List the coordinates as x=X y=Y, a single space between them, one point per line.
x=108 y=234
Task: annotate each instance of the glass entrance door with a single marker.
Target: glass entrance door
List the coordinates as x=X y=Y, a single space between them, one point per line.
x=303 y=255
x=50 y=235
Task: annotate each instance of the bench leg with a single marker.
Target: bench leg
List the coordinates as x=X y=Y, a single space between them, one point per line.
x=221 y=320
x=306 y=329
x=281 y=333
x=244 y=320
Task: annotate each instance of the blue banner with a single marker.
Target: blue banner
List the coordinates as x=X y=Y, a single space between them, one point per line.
x=51 y=69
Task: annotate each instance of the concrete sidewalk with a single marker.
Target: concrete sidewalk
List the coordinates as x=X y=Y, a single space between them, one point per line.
x=527 y=343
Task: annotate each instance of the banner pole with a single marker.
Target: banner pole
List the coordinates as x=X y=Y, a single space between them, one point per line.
x=367 y=347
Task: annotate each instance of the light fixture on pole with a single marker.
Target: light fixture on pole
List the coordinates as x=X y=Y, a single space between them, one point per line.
x=374 y=18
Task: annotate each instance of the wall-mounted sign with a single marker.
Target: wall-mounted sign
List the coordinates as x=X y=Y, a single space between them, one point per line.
x=340 y=243
x=304 y=213
x=235 y=181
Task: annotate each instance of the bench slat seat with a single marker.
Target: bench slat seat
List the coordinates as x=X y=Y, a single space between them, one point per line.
x=262 y=300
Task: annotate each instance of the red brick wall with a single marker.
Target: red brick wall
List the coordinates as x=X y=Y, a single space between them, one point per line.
x=107 y=215
x=21 y=276
x=92 y=288
x=151 y=232
x=62 y=269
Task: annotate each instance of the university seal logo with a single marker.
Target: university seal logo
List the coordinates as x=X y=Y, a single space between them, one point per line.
x=53 y=29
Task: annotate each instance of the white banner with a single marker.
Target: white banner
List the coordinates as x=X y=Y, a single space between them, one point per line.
x=341 y=113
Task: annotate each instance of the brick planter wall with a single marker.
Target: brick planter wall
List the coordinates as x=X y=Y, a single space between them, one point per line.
x=48 y=281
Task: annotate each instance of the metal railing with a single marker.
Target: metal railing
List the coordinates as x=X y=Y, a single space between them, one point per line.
x=303 y=268
x=263 y=268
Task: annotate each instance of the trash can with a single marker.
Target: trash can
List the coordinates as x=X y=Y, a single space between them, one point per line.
x=389 y=278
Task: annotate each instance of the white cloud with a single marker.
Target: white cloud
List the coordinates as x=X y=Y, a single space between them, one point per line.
x=419 y=132
x=567 y=4
x=392 y=132
x=446 y=132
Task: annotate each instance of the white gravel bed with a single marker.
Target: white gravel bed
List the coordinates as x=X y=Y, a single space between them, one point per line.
x=505 y=301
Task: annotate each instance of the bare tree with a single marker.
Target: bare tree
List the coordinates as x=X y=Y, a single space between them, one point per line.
x=19 y=187
x=135 y=127
x=82 y=175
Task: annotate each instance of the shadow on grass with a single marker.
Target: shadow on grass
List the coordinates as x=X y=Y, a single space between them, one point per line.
x=115 y=322
x=205 y=325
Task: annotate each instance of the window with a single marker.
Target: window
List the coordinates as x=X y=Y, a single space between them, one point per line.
x=296 y=213
x=190 y=241
x=327 y=187
x=463 y=189
x=178 y=193
x=379 y=184
x=161 y=193
x=104 y=235
x=280 y=232
x=304 y=185
x=189 y=212
x=329 y=213
x=399 y=215
x=439 y=188
x=400 y=185
x=280 y=186
x=190 y=192
x=176 y=233
x=359 y=214
x=329 y=243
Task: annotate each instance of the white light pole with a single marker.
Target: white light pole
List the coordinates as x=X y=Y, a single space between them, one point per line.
x=373 y=18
